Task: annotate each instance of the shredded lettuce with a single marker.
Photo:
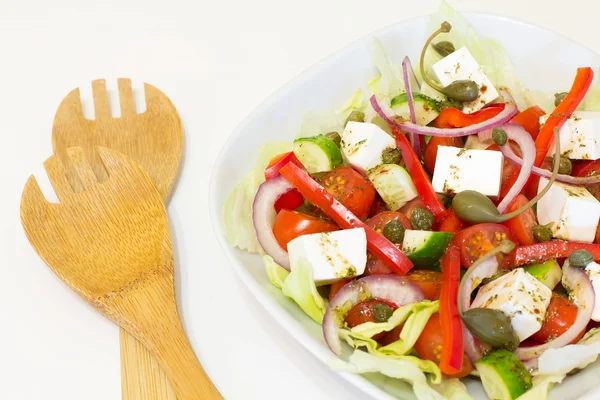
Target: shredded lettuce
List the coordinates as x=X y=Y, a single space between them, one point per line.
x=452 y=389
x=237 y=210
x=275 y=272
x=300 y=287
x=591 y=102
x=541 y=385
x=391 y=82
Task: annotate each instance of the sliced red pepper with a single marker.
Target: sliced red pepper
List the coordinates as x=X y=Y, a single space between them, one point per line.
x=544 y=251
x=419 y=177
x=377 y=244
x=452 y=327
x=454 y=118
x=529 y=120
x=292 y=199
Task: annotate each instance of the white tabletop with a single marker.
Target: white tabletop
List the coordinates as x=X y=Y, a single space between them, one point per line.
x=217 y=61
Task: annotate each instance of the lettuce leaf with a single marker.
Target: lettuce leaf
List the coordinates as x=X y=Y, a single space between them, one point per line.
x=541 y=385
x=300 y=287
x=275 y=272
x=391 y=82
x=452 y=389
x=591 y=102
x=237 y=210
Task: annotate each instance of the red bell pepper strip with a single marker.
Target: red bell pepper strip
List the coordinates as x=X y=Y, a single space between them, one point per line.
x=529 y=120
x=559 y=116
x=292 y=199
x=544 y=251
x=419 y=177
x=377 y=244
x=451 y=323
x=454 y=118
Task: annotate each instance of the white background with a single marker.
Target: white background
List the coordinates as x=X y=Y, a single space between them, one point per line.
x=216 y=61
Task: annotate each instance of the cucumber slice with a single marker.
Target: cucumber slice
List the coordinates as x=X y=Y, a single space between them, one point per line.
x=393 y=184
x=425 y=248
x=426 y=108
x=317 y=153
x=503 y=375
x=549 y=273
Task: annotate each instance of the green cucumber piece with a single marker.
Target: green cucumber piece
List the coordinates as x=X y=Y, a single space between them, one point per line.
x=317 y=153
x=425 y=248
x=503 y=375
x=426 y=108
x=394 y=185
x=549 y=273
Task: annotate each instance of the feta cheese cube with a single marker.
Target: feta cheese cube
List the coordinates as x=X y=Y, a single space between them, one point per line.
x=579 y=136
x=573 y=211
x=363 y=143
x=334 y=256
x=459 y=169
x=593 y=271
x=462 y=65
x=521 y=297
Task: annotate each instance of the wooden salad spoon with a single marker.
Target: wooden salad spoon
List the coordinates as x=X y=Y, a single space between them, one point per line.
x=153 y=140
x=111 y=244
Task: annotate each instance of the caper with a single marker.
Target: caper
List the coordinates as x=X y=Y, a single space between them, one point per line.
x=391 y=155
x=462 y=90
x=380 y=122
x=334 y=137
x=490 y=326
x=565 y=166
x=382 y=312
x=394 y=231
x=356 y=116
x=580 y=258
x=500 y=137
x=559 y=97
x=421 y=219
x=444 y=48
x=449 y=103
x=542 y=233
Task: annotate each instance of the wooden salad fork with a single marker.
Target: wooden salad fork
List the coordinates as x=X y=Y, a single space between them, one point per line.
x=111 y=244
x=153 y=140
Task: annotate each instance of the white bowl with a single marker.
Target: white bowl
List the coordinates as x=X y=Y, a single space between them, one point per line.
x=544 y=59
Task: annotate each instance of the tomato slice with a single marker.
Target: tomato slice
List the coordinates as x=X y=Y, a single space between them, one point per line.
x=478 y=239
x=363 y=312
x=409 y=207
x=522 y=225
x=451 y=223
x=560 y=315
x=378 y=206
x=429 y=346
x=351 y=189
x=530 y=120
x=591 y=168
x=432 y=148
x=430 y=282
x=337 y=286
x=291 y=224
x=510 y=171
x=379 y=221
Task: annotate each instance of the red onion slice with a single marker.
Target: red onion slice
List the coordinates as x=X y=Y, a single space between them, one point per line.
x=394 y=289
x=509 y=111
x=583 y=293
x=409 y=74
x=527 y=145
x=263 y=217
x=474 y=349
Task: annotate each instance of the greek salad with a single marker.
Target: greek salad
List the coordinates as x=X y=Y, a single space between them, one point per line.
x=442 y=225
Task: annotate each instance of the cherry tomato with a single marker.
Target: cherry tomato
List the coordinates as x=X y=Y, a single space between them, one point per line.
x=530 y=120
x=597 y=238
x=522 y=225
x=363 y=312
x=451 y=223
x=429 y=346
x=378 y=206
x=335 y=287
x=292 y=199
x=478 y=239
x=377 y=267
x=409 y=207
x=430 y=282
x=590 y=169
x=378 y=222
x=432 y=148
x=392 y=336
x=560 y=315
x=510 y=171
x=351 y=189
x=291 y=224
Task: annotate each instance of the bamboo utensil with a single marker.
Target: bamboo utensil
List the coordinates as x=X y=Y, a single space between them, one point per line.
x=111 y=244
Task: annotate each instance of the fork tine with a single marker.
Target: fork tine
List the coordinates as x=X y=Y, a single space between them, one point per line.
x=32 y=201
x=100 y=95
x=126 y=96
x=63 y=186
x=81 y=165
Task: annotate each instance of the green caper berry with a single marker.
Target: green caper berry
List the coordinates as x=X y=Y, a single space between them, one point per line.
x=382 y=312
x=580 y=258
x=449 y=103
x=444 y=48
x=559 y=97
x=542 y=233
x=391 y=156
x=356 y=116
x=462 y=90
x=380 y=122
x=421 y=219
x=490 y=326
x=565 y=166
x=394 y=231
x=500 y=137
x=334 y=137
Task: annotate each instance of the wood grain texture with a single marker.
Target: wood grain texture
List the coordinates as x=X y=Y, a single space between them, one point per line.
x=111 y=244
x=153 y=140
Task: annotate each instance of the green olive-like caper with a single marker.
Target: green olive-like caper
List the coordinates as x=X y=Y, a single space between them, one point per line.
x=444 y=48
x=394 y=231
x=356 y=116
x=580 y=258
x=380 y=122
x=334 y=137
x=391 y=155
x=499 y=136
x=490 y=326
x=565 y=166
x=542 y=233
x=382 y=312
x=421 y=219
x=463 y=90
x=559 y=97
